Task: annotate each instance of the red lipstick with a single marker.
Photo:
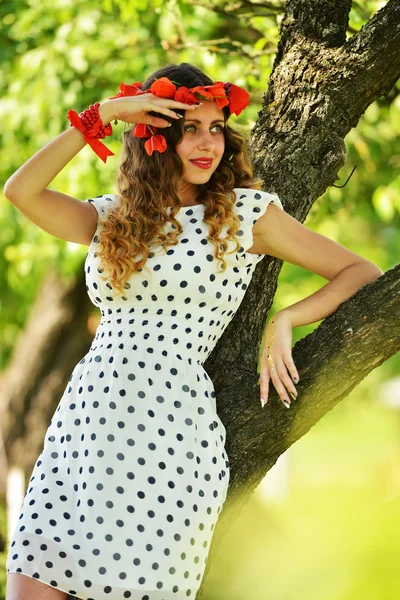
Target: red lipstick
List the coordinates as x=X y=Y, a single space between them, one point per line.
x=203 y=163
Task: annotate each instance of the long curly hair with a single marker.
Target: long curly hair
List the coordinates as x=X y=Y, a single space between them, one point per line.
x=147 y=185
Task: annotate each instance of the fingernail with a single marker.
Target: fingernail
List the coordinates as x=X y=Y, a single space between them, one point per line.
x=180 y=116
x=293 y=396
x=286 y=403
x=262 y=402
x=295 y=380
x=169 y=124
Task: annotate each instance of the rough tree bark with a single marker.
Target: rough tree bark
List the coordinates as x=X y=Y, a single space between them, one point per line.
x=320 y=86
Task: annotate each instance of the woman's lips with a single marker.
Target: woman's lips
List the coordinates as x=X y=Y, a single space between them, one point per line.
x=203 y=164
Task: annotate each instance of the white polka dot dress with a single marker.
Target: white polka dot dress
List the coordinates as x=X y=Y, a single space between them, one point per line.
x=125 y=495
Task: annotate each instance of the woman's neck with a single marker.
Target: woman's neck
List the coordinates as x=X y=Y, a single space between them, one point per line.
x=188 y=193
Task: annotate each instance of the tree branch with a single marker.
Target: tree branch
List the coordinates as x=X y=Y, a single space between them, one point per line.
x=370 y=63
x=214 y=46
x=264 y=9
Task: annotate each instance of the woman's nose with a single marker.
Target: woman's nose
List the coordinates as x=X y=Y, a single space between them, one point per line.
x=206 y=141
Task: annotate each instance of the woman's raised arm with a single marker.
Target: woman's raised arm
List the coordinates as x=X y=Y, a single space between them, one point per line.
x=60 y=215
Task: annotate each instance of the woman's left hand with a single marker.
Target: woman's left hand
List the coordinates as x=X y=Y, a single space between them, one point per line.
x=276 y=359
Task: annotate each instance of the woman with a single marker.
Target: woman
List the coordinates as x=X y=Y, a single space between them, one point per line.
x=126 y=493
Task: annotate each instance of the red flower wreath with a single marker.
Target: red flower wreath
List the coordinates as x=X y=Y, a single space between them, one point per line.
x=224 y=94
x=92 y=128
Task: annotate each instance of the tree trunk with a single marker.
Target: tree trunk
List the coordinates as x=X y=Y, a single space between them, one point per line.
x=55 y=337
x=320 y=86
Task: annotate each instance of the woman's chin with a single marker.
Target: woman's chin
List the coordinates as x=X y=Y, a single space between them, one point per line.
x=199 y=178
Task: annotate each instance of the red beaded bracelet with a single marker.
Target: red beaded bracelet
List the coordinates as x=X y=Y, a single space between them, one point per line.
x=91 y=125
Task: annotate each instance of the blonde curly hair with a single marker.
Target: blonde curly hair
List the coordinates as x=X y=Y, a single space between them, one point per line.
x=147 y=185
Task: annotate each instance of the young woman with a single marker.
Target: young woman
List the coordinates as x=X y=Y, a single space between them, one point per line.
x=124 y=498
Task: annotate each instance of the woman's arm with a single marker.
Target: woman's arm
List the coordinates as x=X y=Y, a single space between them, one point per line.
x=56 y=213
x=276 y=361
x=36 y=173
x=278 y=234
x=326 y=301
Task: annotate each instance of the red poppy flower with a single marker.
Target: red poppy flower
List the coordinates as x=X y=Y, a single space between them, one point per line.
x=142 y=131
x=155 y=143
x=128 y=90
x=219 y=95
x=202 y=93
x=183 y=94
x=238 y=99
x=163 y=87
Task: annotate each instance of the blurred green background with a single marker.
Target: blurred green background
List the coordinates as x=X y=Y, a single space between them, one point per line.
x=330 y=527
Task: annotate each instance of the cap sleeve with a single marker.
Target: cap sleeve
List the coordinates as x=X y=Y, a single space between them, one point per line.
x=102 y=204
x=250 y=206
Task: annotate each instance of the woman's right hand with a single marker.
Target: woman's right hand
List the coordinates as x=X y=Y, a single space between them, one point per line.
x=135 y=109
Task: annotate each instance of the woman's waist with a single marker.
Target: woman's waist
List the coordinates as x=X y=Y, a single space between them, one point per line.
x=153 y=331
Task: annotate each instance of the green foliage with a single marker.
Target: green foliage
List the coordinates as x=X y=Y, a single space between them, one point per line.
x=62 y=54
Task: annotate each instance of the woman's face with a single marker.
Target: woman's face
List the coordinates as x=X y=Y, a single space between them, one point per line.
x=203 y=138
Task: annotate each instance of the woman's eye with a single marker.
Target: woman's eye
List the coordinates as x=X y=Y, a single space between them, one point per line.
x=221 y=128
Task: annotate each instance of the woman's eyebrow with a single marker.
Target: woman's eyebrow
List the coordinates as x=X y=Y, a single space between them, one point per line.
x=212 y=122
